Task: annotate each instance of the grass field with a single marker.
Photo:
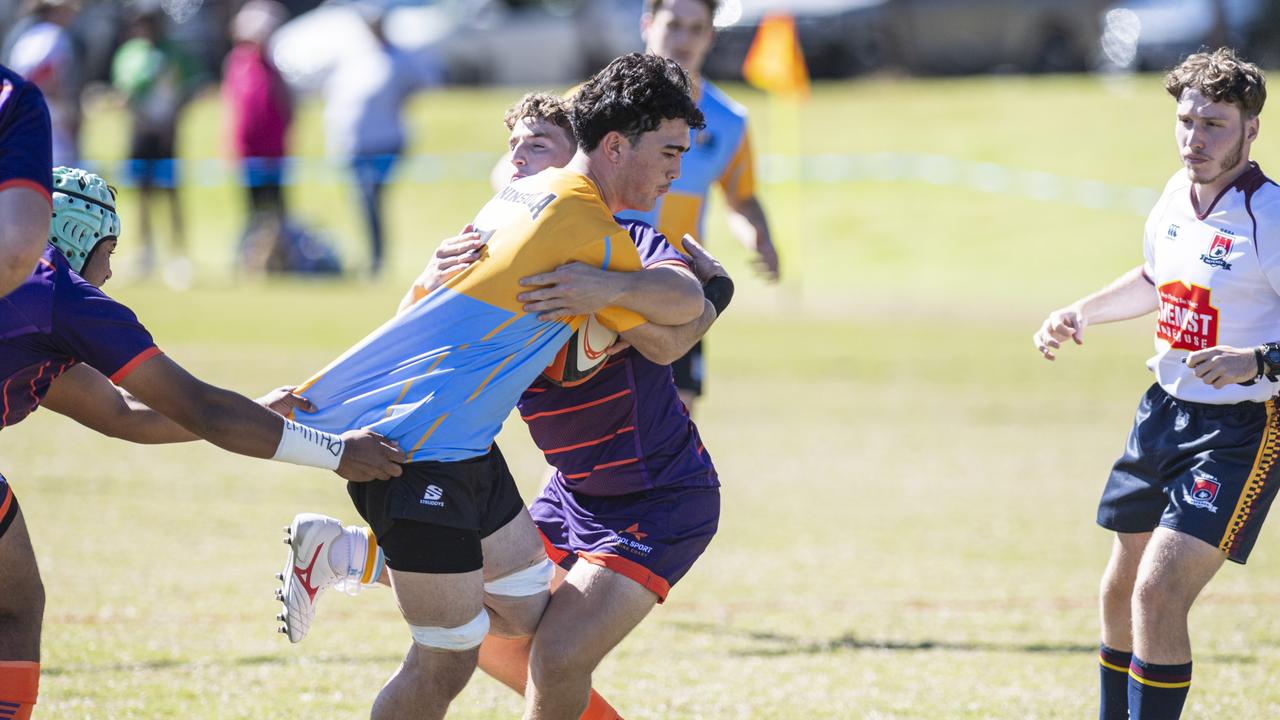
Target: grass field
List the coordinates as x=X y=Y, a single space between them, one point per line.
x=908 y=489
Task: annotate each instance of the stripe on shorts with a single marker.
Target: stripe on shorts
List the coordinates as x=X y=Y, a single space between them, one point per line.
x=1262 y=475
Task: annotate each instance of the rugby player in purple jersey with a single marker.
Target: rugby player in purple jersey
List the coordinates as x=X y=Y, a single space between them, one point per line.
x=633 y=498
x=25 y=165
x=66 y=345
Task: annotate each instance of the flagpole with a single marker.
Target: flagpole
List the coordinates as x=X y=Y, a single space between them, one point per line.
x=776 y=64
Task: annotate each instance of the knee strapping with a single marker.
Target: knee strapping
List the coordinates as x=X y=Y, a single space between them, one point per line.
x=523 y=583
x=463 y=637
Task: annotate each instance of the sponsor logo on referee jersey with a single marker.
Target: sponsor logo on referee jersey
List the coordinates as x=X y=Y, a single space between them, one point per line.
x=1202 y=494
x=1187 y=320
x=1219 y=249
x=433 y=496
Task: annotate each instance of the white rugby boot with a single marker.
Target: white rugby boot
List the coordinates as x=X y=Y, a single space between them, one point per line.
x=307 y=572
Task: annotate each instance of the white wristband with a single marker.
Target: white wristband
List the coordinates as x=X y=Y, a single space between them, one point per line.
x=302 y=445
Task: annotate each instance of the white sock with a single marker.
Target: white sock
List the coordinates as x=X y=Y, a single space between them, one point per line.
x=347 y=553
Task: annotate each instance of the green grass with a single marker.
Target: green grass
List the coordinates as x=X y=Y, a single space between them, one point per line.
x=908 y=490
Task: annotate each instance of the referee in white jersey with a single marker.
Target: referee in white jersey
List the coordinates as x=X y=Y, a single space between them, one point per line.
x=1199 y=468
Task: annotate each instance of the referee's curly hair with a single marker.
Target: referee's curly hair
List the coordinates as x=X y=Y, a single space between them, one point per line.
x=632 y=96
x=1222 y=76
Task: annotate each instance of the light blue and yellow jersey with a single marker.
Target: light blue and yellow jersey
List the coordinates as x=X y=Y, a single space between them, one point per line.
x=720 y=152
x=440 y=377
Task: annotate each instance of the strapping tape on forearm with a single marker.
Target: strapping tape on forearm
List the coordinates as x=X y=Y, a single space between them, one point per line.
x=302 y=445
x=719 y=290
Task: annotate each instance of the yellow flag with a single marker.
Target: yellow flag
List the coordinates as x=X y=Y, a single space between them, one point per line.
x=774 y=63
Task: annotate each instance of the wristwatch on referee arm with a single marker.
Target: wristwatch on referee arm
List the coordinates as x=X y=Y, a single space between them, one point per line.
x=1268 y=357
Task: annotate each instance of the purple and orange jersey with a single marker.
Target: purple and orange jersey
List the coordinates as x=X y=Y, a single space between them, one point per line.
x=25 y=145
x=441 y=376
x=54 y=320
x=625 y=430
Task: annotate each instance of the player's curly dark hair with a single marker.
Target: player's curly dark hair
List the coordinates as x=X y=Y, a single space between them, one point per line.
x=540 y=106
x=653 y=6
x=1223 y=76
x=632 y=95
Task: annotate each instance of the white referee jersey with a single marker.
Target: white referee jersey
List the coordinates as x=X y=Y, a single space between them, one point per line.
x=1218 y=278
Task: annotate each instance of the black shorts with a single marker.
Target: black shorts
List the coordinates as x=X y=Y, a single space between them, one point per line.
x=431 y=519
x=688 y=370
x=8 y=506
x=151 y=159
x=1209 y=471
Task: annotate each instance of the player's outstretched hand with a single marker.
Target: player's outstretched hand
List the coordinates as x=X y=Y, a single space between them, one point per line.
x=573 y=289
x=369 y=456
x=1223 y=365
x=767 y=260
x=283 y=401
x=704 y=265
x=1060 y=325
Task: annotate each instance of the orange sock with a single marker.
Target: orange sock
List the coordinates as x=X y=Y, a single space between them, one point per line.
x=599 y=709
x=19 y=685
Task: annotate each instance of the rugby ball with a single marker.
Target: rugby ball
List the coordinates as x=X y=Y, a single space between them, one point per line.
x=583 y=355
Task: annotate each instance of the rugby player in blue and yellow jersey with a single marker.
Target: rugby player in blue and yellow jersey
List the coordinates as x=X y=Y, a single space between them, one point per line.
x=632 y=492
x=441 y=376
x=25 y=163
x=682 y=30
x=66 y=345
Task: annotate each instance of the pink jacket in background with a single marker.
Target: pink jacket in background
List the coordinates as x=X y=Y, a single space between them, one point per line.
x=260 y=106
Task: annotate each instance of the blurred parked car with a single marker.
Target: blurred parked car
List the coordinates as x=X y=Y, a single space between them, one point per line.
x=1150 y=35
x=845 y=37
x=506 y=42
x=838 y=38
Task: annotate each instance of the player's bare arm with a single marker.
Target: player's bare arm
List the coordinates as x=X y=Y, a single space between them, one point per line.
x=663 y=344
x=88 y=397
x=24 y=230
x=748 y=223
x=1130 y=296
x=666 y=295
x=1223 y=365
x=238 y=424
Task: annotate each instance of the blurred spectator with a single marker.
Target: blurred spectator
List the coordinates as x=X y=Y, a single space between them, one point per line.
x=364 y=97
x=260 y=111
x=157 y=78
x=40 y=49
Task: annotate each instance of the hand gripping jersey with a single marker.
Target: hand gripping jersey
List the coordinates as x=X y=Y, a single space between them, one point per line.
x=720 y=152
x=440 y=377
x=25 y=154
x=54 y=320
x=1218 y=280
x=624 y=430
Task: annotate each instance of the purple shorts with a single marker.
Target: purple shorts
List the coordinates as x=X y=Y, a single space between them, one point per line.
x=652 y=537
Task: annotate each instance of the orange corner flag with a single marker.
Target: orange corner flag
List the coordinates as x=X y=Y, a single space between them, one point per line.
x=774 y=63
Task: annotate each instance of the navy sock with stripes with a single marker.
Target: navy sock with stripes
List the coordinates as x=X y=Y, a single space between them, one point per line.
x=1157 y=692
x=1114 y=703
